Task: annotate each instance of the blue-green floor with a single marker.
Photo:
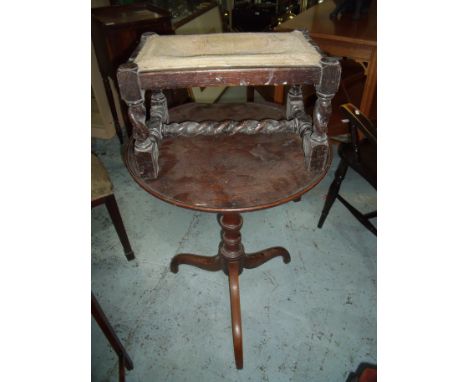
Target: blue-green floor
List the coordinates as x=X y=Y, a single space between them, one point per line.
x=311 y=320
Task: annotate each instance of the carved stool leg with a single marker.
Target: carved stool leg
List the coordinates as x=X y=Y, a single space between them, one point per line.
x=316 y=143
x=333 y=191
x=146 y=146
x=236 y=321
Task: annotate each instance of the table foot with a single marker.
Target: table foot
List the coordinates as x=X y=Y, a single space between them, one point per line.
x=236 y=321
x=206 y=263
x=256 y=259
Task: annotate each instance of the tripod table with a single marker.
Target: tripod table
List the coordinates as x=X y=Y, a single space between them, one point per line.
x=229 y=175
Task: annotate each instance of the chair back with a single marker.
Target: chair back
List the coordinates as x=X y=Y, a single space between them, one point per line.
x=358 y=122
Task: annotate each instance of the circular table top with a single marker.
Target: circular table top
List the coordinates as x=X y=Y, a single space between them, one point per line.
x=235 y=173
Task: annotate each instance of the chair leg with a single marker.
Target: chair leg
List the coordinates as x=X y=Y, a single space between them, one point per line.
x=371 y=215
x=114 y=213
x=364 y=219
x=121 y=370
x=333 y=191
x=101 y=319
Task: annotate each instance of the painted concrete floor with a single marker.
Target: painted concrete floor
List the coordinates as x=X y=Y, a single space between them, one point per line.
x=311 y=320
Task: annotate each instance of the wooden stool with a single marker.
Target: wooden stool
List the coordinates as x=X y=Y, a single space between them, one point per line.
x=225 y=158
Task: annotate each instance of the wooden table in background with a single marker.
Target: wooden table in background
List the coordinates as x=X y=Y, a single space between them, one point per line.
x=355 y=39
x=115 y=33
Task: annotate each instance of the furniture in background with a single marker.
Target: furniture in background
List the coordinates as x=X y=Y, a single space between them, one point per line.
x=253 y=16
x=183 y=10
x=365 y=372
x=205 y=19
x=202 y=18
x=260 y=15
x=125 y=361
x=228 y=158
x=102 y=192
x=355 y=39
x=102 y=116
x=361 y=156
x=115 y=32
x=356 y=7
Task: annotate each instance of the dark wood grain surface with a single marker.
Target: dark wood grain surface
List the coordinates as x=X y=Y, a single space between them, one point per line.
x=115 y=33
x=229 y=173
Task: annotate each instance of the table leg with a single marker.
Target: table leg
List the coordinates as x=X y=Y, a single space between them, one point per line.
x=236 y=321
x=231 y=258
x=206 y=263
x=370 y=85
x=278 y=95
x=113 y=108
x=254 y=260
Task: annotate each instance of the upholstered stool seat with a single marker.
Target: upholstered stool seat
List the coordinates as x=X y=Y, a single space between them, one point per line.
x=222 y=50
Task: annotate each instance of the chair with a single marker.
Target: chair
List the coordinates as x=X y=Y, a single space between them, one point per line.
x=102 y=192
x=125 y=361
x=361 y=156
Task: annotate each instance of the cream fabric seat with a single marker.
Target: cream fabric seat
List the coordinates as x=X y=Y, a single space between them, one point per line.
x=227 y=50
